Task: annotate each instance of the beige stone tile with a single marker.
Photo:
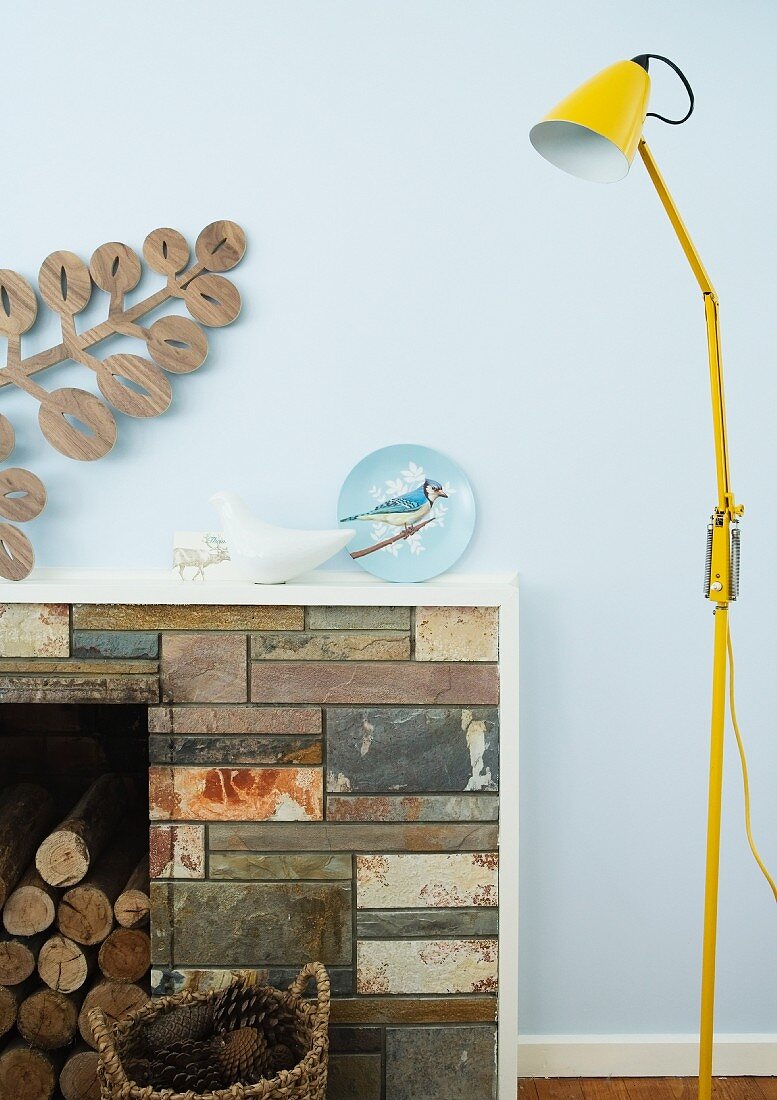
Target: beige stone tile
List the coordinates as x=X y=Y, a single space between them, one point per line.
x=34 y=630
x=426 y=966
x=177 y=851
x=120 y=616
x=415 y=881
x=457 y=634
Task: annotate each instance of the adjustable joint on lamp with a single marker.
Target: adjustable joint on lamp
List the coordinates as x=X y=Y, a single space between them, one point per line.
x=721 y=565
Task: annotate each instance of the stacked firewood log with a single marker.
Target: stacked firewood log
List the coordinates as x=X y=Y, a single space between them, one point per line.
x=75 y=902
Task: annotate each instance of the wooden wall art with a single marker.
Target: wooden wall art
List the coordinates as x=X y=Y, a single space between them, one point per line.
x=74 y=421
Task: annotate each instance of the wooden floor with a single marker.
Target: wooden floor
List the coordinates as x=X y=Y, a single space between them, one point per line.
x=645 y=1088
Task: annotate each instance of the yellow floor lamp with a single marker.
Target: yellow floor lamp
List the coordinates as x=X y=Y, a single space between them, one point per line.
x=594 y=134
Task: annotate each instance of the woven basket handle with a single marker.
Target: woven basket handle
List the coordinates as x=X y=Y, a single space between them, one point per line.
x=98 y=1022
x=312 y=971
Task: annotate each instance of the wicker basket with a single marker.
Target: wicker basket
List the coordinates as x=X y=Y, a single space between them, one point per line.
x=306 y=1081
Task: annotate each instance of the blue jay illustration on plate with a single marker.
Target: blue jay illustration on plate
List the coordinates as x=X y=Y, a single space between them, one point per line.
x=404 y=510
x=409 y=525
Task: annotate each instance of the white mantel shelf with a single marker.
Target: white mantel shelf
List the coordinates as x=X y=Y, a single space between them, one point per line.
x=103 y=586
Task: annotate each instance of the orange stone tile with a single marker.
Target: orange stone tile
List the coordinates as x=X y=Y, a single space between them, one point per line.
x=236 y=794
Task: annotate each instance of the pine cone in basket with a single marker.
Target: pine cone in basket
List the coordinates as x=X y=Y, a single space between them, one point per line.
x=247 y=1003
x=186 y=1065
x=245 y=1057
x=281 y=1057
x=188 y=1022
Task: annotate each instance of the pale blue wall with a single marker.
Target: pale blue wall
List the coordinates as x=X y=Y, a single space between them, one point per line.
x=416 y=272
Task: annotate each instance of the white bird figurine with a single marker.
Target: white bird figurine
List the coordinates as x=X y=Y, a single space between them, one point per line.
x=271 y=555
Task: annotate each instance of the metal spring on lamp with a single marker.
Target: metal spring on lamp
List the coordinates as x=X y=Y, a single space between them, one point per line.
x=735 y=551
x=708 y=562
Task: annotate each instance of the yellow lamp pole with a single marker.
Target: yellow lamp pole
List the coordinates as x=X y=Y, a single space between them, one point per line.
x=721 y=587
x=594 y=134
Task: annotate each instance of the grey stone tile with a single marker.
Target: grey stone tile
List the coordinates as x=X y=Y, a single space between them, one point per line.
x=355 y=1040
x=354 y=1077
x=428 y=1063
x=283 y=836
x=412 y=748
x=385 y=924
x=322 y=866
x=109 y=643
x=207 y=924
x=331 y=645
x=358 y=618
x=234 y=749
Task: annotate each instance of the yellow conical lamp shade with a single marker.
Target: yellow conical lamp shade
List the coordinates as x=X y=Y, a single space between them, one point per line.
x=594 y=132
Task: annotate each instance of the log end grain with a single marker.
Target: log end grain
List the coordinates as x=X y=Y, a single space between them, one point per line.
x=126 y=955
x=26 y=1073
x=48 y=1019
x=78 y=1080
x=27 y=911
x=62 y=964
x=115 y=999
x=63 y=858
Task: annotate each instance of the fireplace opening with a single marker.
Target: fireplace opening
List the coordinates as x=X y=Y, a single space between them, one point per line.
x=73 y=888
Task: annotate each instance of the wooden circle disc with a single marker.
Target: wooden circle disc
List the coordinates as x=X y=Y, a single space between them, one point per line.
x=22 y=495
x=212 y=300
x=7 y=437
x=220 y=246
x=65 y=283
x=126 y=955
x=96 y=434
x=166 y=251
x=115 y=267
x=18 y=304
x=17 y=556
x=177 y=344
x=114 y=371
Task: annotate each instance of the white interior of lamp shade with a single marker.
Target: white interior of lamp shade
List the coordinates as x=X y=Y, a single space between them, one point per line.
x=579 y=151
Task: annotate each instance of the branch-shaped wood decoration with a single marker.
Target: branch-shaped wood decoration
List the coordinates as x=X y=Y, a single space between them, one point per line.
x=74 y=421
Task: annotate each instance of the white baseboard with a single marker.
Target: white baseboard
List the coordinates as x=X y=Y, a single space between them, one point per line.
x=643 y=1055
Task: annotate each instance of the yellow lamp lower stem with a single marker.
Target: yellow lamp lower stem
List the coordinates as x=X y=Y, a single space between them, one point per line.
x=713 y=853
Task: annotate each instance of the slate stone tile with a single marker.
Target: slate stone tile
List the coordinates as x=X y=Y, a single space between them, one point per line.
x=413 y=881
x=374 y=682
x=416 y=749
x=243 y=924
x=426 y=966
x=167 y=980
x=320 y=837
x=234 y=749
x=34 y=630
x=253 y=865
x=235 y=794
x=107 y=643
x=354 y=1075
x=458 y=1063
x=80 y=688
x=358 y=618
x=247 y=719
x=333 y=645
x=114 y=616
x=204 y=668
x=413 y=807
x=414 y=1010
x=355 y=1040
x=457 y=634
x=177 y=851
x=383 y=924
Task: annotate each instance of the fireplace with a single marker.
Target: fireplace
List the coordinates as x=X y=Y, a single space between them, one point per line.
x=324 y=777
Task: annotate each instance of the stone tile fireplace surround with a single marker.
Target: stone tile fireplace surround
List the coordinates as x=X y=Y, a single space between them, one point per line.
x=325 y=766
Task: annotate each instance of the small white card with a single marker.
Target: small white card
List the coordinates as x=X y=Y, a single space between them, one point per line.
x=202 y=556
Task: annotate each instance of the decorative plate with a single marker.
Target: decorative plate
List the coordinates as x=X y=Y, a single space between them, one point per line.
x=413 y=511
